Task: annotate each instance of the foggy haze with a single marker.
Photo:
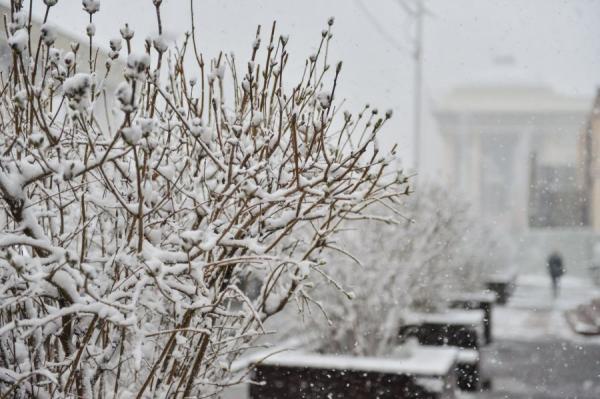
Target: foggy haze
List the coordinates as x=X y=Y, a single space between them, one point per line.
x=554 y=42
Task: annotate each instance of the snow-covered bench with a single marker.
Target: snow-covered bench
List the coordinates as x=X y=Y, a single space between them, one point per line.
x=468 y=370
x=463 y=329
x=503 y=284
x=425 y=373
x=480 y=300
x=452 y=327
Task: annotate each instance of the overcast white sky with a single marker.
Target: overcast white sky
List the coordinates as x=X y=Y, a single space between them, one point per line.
x=556 y=41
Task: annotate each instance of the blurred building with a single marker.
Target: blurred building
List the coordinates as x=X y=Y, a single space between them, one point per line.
x=589 y=154
x=512 y=146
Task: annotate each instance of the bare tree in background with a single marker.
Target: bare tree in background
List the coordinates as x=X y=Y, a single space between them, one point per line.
x=413 y=261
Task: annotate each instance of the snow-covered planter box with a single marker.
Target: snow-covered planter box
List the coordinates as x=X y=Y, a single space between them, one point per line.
x=503 y=284
x=468 y=370
x=481 y=300
x=458 y=328
x=428 y=373
x=453 y=327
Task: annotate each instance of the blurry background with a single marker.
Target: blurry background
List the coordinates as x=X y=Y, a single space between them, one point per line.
x=506 y=93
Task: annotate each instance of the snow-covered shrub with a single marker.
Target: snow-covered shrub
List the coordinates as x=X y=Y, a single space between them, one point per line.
x=407 y=260
x=485 y=250
x=130 y=242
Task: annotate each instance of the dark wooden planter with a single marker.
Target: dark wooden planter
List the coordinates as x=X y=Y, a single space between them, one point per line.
x=468 y=370
x=483 y=300
x=503 y=285
x=428 y=374
x=458 y=328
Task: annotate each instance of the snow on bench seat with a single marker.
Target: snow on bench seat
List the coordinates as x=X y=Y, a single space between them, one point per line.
x=478 y=296
x=450 y=316
x=424 y=361
x=470 y=356
x=425 y=372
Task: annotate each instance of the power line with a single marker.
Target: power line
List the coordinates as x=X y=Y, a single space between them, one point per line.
x=416 y=12
x=387 y=36
x=406 y=7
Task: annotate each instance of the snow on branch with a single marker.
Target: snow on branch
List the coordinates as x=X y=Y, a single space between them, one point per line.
x=154 y=221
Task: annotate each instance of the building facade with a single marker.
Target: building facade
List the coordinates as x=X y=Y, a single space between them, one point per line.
x=513 y=149
x=589 y=150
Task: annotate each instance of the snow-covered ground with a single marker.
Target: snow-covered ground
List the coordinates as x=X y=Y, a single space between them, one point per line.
x=536 y=355
x=532 y=313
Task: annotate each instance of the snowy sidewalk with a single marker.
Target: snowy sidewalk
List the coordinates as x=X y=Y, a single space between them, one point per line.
x=534 y=292
x=533 y=314
x=535 y=354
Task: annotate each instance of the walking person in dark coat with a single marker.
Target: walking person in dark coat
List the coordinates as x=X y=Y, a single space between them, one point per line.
x=556 y=269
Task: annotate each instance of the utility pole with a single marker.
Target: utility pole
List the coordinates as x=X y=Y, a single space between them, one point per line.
x=418 y=82
x=415 y=10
